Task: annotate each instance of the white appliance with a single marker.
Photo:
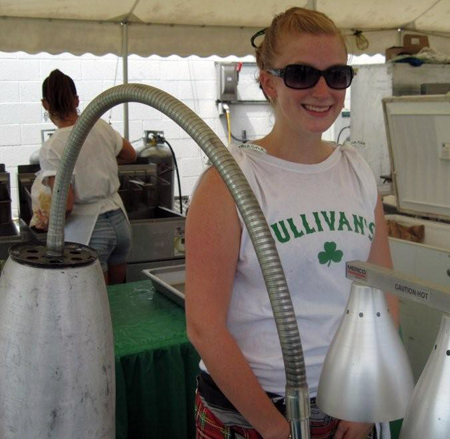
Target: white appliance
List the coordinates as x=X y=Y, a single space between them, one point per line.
x=371 y=84
x=418 y=135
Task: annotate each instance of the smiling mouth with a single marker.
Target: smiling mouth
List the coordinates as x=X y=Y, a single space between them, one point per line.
x=316 y=109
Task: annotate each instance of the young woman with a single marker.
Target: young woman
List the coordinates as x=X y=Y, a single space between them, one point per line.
x=320 y=201
x=97 y=215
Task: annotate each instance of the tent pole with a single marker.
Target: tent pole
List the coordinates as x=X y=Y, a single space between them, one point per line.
x=400 y=37
x=311 y=5
x=124 y=25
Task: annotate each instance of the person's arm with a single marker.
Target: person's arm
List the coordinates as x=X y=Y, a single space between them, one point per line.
x=352 y=430
x=127 y=154
x=380 y=254
x=213 y=234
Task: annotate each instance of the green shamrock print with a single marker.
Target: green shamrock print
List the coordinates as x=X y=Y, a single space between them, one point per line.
x=330 y=254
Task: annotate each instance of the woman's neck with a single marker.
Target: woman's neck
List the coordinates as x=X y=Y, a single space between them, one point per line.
x=66 y=122
x=307 y=148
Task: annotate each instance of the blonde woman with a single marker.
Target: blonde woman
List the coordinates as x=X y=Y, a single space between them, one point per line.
x=320 y=201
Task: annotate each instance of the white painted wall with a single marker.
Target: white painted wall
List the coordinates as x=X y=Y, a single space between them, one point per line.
x=192 y=80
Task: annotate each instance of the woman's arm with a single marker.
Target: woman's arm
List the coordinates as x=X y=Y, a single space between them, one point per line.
x=127 y=154
x=380 y=254
x=213 y=234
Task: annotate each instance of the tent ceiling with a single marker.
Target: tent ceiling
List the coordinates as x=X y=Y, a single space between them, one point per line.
x=202 y=27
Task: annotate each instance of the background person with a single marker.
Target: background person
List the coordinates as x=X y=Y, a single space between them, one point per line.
x=97 y=216
x=321 y=203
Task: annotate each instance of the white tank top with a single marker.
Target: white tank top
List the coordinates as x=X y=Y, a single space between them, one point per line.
x=320 y=216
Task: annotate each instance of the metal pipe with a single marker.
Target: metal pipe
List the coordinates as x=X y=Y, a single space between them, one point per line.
x=126 y=121
x=400 y=37
x=296 y=386
x=312 y=5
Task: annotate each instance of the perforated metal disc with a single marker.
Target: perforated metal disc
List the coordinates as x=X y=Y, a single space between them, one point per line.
x=75 y=255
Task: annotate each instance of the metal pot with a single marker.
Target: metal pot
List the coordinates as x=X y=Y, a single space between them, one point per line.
x=57 y=376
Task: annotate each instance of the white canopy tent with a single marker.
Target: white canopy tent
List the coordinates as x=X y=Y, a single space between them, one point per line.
x=204 y=27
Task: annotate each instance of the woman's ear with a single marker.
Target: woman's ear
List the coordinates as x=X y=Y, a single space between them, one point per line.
x=267 y=82
x=45 y=104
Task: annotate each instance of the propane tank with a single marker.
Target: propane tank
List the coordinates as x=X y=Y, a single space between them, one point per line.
x=34 y=158
x=154 y=150
x=57 y=375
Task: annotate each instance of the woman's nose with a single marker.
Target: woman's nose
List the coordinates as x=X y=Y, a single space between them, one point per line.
x=321 y=89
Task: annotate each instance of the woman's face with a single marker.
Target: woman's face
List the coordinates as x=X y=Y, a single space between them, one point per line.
x=315 y=109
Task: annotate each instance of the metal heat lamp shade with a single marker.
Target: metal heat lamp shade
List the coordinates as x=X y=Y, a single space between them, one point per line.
x=428 y=415
x=367 y=376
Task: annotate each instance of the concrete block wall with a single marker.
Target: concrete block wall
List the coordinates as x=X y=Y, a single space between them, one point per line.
x=192 y=80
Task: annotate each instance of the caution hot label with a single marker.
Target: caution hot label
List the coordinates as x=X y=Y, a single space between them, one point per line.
x=413 y=292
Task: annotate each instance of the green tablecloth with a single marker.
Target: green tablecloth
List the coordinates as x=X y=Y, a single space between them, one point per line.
x=155 y=364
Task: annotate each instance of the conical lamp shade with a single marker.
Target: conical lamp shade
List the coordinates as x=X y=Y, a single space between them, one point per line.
x=366 y=376
x=428 y=415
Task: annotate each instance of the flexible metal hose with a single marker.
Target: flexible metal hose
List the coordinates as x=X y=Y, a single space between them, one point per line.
x=297 y=398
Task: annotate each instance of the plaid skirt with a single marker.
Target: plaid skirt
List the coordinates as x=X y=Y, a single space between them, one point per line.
x=209 y=426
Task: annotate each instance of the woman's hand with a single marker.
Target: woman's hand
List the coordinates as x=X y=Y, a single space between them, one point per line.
x=352 y=430
x=42 y=220
x=282 y=431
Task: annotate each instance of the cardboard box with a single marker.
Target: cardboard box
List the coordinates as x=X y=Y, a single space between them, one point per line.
x=392 y=52
x=414 y=43
x=411 y=44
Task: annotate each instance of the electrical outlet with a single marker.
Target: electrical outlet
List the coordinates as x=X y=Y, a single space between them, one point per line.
x=445 y=151
x=46 y=134
x=227 y=80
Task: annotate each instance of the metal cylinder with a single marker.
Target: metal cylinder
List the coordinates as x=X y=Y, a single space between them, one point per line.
x=57 y=375
x=428 y=415
x=34 y=158
x=155 y=151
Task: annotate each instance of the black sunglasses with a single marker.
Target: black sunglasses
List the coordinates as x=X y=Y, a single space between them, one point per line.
x=299 y=76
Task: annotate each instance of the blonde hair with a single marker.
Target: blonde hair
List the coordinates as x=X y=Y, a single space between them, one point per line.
x=294 y=20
